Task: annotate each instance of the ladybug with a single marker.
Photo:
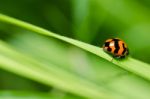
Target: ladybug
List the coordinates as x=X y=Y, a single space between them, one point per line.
x=116 y=47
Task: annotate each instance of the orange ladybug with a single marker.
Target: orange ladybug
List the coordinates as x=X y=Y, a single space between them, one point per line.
x=116 y=47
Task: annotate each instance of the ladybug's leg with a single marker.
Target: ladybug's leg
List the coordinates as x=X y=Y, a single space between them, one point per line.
x=113 y=58
x=116 y=56
x=122 y=57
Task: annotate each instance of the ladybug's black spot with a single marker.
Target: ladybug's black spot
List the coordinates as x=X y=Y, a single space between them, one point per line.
x=116 y=46
x=109 y=49
x=116 y=40
x=106 y=44
x=124 y=49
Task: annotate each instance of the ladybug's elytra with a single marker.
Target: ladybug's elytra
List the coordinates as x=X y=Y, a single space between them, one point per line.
x=116 y=47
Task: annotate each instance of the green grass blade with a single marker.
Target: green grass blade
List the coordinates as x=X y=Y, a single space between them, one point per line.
x=140 y=68
x=81 y=63
x=23 y=65
x=9 y=94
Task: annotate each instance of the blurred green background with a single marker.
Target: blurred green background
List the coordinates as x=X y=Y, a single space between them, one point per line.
x=90 y=21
